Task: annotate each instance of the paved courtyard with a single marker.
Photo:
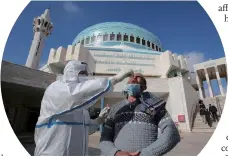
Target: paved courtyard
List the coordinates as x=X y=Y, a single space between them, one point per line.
x=191 y=145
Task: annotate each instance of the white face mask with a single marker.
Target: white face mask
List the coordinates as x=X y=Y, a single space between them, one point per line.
x=84 y=78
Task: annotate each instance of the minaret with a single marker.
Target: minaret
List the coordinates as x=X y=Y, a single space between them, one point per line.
x=42 y=27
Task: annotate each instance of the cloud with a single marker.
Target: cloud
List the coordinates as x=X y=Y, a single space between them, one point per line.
x=194 y=58
x=71 y=7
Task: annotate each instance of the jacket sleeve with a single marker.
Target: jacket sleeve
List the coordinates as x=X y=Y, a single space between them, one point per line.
x=90 y=91
x=168 y=139
x=107 y=146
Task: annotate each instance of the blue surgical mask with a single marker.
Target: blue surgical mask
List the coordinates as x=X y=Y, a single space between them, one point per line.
x=132 y=90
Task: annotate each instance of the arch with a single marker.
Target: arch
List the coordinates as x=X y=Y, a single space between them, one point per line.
x=138 y=40
x=112 y=36
x=143 y=41
x=119 y=37
x=132 y=39
x=148 y=43
x=82 y=42
x=38 y=21
x=87 y=40
x=45 y=24
x=156 y=48
x=105 y=37
x=125 y=37
x=99 y=38
x=93 y=39
x=153 y=46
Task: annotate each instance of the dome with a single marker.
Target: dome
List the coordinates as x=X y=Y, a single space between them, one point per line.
x=118 y=34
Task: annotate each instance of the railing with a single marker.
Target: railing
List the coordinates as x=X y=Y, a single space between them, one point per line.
x=193 y=114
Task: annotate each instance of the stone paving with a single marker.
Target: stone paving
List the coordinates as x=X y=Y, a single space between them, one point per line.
x=191 y=144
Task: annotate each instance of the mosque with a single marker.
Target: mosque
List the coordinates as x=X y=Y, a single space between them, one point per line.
x=111 y=47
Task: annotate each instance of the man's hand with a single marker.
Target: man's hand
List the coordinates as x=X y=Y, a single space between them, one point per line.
x=122 y=153
x=134 y=154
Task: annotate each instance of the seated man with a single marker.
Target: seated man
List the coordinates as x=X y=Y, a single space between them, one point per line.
x=131 y=128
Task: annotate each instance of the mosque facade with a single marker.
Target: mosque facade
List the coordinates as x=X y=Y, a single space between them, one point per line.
x=110 y=47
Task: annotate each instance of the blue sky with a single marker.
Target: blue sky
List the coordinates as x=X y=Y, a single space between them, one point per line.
x=183 y=27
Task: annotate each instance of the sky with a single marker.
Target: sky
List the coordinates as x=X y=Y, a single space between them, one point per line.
x=182 y=27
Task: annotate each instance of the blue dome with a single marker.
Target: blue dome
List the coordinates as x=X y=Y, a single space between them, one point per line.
x=118 y=33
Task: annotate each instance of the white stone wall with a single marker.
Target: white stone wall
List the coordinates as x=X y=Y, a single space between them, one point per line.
x=108 y=62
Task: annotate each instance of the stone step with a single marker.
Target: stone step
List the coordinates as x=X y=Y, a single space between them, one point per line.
x=206 y=130
x=203 y=127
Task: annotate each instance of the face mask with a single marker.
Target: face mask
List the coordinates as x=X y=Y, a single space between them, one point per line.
x=84 y=78
x=132 y=90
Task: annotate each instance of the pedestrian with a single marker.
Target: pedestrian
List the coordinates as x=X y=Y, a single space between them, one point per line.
x=64 y=122
x=208 y=118
x=213 y=110
x=202 y=110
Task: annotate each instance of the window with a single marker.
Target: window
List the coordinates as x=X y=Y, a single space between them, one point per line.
x=125 y=37
x=93 y=38
x=160 y=49
x=143 y=42
x=38 y=21
x=119 y=37
x=82 y=41
x=138 y=40
x=105 y=37
x=112 y=36
x=46 y=23
x=132 y=39
x=148 y=43
x=87 y=40
x=156 y=48
x=99 y=38
x=153 y=46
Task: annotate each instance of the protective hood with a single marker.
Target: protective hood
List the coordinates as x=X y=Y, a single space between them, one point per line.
x=72 y=70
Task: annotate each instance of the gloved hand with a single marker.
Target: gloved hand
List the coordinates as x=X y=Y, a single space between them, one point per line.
x=121 y=76
x=103 y=114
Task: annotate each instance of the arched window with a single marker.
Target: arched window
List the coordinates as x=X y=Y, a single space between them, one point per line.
x=138 y=40
x=38 y=21
x=125 y=37
x=156 y=48
x=93 y=38
x=105 y=37
x=99 y=38
x=160 y=49
x=112 y=36
x=45 y=24
x=87 y=40
x=132 y=39
x=119 y=37
x=82 y=41
x=143 y=42
x=148 y=43
x=153 y=46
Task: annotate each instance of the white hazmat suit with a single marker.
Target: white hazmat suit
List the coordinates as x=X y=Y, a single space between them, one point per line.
x=64 y=122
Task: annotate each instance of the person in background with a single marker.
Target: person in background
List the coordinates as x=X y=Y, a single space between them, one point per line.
x=131 y=128
x=213 y=110
x=208 y=118
x=202 y=110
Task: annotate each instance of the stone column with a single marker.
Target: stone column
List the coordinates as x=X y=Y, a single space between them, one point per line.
x=219 y=81
x=199 y=86
x=208 y=83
